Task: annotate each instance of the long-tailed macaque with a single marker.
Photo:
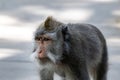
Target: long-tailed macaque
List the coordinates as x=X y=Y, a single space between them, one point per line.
x=72 y=51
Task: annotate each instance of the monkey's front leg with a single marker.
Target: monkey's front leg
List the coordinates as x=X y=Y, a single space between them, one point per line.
x=59 y=77
x=79 y=71
x=46 y=74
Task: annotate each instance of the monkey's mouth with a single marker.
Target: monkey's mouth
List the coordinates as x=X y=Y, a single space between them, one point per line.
x=41 y=55
x=44 y=59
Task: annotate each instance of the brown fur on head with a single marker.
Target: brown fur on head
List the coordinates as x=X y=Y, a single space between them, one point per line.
x=50 y=23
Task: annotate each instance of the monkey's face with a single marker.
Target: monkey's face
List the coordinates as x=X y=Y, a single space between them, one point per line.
x=49 y=41
x=49 y=45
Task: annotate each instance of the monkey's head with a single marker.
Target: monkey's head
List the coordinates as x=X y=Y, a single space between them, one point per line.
x=49 y=40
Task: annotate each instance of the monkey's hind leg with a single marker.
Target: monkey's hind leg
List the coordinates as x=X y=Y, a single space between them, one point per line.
x=103 y=66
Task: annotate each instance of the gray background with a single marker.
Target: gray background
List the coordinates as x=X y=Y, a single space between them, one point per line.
x=19 y=19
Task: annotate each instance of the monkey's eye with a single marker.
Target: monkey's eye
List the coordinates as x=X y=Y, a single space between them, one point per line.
x=46 y=39
x=38 y=38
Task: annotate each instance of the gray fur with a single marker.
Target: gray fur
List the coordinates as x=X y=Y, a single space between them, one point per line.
x=77 y=52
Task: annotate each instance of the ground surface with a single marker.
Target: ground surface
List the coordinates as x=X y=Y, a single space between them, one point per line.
x=19 y=19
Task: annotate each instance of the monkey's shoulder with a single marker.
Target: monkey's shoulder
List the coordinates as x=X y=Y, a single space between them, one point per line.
x=87 y=33
x=82 y=27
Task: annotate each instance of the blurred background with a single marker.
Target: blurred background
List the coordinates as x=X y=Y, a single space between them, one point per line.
x=20 y=18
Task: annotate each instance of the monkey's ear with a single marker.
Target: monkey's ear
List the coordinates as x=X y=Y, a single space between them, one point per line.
x=51 y=24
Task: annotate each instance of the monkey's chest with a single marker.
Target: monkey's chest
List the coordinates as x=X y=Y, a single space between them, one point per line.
x=63 y=72
x=60 y=71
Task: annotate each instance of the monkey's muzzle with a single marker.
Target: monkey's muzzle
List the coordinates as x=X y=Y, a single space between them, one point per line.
x=42 y=54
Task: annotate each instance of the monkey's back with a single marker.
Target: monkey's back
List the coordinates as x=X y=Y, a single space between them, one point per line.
x=88 y=40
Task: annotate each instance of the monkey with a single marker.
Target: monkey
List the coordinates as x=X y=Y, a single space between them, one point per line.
x=72 y=51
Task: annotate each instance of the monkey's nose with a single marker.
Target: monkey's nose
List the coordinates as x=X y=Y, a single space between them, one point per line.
x=40 y=51
x=41 y=54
